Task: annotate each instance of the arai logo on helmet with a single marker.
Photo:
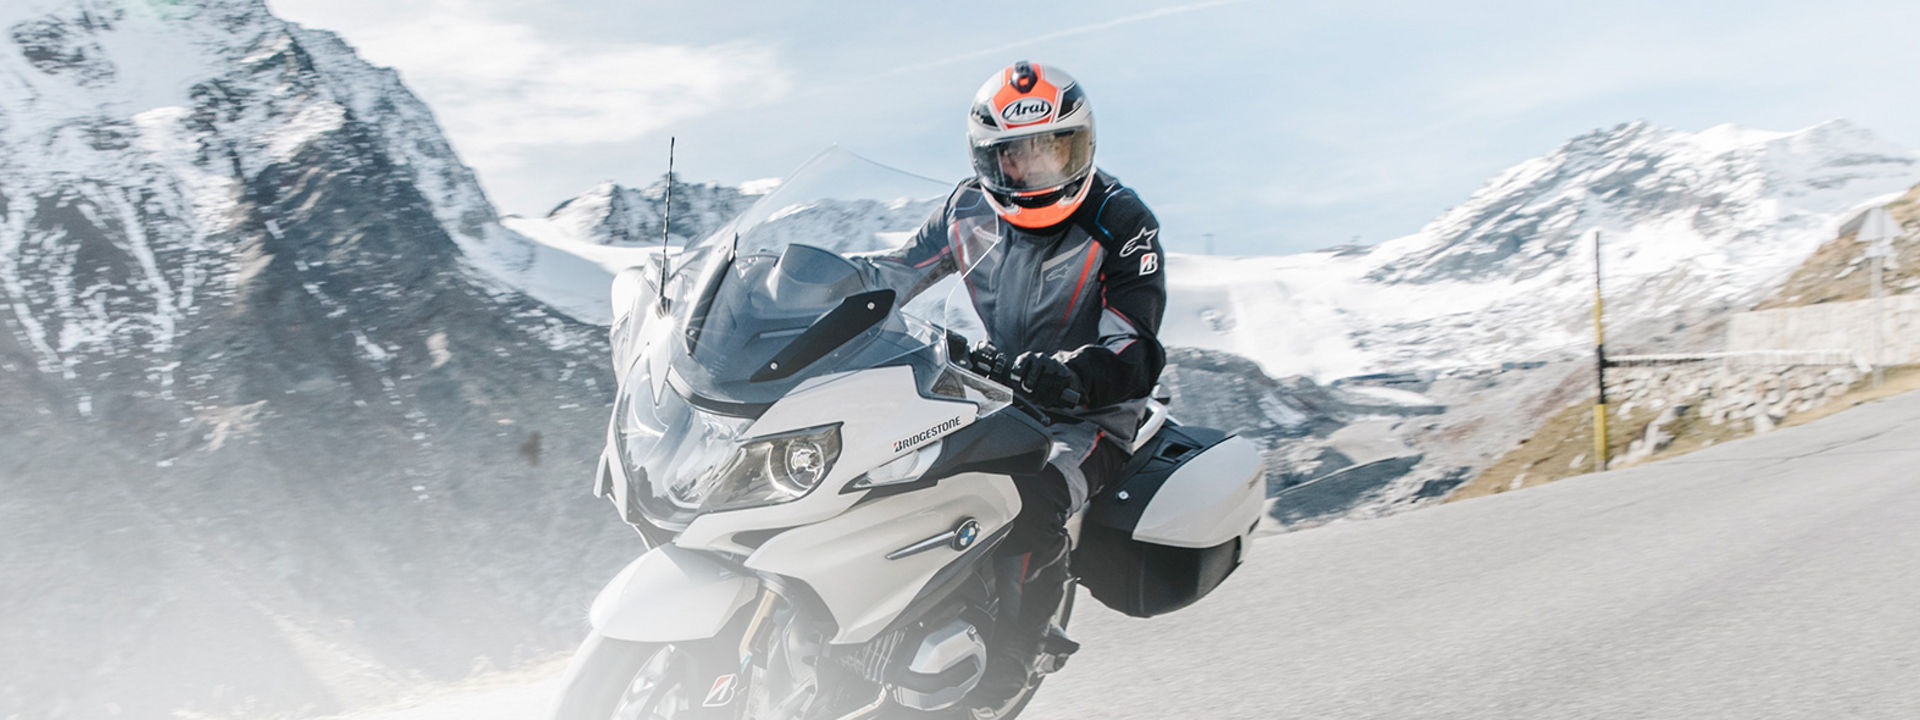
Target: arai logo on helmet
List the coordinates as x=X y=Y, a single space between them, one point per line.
x=1026 y=110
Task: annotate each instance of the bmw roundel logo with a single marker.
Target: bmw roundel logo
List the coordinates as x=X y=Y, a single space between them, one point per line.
x=964 y=535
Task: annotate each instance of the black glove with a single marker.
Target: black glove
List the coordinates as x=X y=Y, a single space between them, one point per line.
x=1047 y=381
x=989 y=361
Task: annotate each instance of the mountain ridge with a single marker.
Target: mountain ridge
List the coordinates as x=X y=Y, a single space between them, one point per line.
x=278 y=437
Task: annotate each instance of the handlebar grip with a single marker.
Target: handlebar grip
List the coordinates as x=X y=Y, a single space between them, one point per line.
x=1069 y=396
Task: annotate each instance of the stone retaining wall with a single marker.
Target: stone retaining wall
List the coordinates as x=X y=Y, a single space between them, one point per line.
x=1835 y=326
x=1749 y=397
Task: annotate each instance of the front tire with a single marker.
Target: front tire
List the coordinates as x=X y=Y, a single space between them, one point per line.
x=602 y=673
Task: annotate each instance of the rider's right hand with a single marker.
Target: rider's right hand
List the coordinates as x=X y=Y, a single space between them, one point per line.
x=1046 y=380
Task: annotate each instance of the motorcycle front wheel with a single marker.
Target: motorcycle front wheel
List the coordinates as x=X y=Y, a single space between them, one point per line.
x=612 y=679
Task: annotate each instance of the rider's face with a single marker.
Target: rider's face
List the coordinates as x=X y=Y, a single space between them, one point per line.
x=1037 y=156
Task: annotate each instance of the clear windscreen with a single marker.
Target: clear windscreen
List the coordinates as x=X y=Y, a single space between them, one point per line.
x=775 y=300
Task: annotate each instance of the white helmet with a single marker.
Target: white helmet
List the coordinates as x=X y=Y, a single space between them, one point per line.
x=1030 y=132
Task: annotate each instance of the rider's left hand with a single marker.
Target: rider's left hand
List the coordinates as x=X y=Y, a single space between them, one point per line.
x=1046 y=380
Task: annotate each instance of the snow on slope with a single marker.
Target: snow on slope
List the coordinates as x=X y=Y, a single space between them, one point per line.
x=617 y=227
x=102 y=90
x=1688 y=220
x=614 y=215
x=376 y=94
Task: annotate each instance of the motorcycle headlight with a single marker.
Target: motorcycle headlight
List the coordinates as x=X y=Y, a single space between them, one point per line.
x=775 y=469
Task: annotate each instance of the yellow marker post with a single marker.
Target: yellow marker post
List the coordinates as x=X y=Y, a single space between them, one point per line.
x=1599 y=366
x=1600 y=437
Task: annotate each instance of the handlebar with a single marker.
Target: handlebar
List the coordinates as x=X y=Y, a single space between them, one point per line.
x=996 y=366
x=1069 y=396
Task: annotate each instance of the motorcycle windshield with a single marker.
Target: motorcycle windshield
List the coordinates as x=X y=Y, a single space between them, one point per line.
x=780 y=271
x=775 y=299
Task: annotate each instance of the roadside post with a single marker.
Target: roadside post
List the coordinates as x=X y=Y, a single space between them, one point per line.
x=1878 y=229
x=1599 y=366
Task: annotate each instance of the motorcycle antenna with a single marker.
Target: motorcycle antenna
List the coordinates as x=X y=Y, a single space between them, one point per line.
x=666 y=216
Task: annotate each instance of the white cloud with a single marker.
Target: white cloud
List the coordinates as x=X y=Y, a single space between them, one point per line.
x=504 y=90
x=1086 y=29
x=1595 y=68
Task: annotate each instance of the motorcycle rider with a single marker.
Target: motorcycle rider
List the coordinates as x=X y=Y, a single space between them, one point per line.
x=1064 y=266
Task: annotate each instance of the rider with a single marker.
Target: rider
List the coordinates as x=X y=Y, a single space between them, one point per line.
x=1064 y=266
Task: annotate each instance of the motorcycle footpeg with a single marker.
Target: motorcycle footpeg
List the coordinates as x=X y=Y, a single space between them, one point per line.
x=1055 y=648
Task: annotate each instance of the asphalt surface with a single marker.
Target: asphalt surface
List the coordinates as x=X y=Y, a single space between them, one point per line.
x=1772 y=577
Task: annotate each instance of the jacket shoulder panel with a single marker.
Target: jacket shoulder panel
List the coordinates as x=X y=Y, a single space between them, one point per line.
x=1120 y=215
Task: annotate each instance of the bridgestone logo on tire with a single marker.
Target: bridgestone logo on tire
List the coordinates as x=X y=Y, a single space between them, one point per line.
x=723 y=691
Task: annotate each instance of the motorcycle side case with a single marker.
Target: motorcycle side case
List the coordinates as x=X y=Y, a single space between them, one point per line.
x=1164 y=536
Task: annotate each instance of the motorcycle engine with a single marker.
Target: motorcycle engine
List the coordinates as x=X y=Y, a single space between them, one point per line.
x=945 y=666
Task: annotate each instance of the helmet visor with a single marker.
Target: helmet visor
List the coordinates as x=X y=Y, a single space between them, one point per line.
x=1034 y=163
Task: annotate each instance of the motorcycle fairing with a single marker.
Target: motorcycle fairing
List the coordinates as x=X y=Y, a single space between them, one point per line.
x=892 y=410
x=845 y=559
x=671 y=594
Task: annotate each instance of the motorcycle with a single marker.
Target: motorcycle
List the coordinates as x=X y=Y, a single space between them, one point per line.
x=821 y=476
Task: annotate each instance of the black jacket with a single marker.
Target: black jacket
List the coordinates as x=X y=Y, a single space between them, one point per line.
x=1091 y=290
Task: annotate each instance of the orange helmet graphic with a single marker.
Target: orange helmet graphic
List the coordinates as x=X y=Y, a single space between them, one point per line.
x=1031 y=135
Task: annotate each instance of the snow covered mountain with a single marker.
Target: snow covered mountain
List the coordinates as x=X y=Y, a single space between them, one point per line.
x=1691 y=224
x=612 y=214
x=279 y=429
x=617 y=227
x=1693 y=227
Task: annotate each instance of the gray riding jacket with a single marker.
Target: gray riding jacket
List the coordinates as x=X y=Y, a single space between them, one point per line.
x=1090 y=290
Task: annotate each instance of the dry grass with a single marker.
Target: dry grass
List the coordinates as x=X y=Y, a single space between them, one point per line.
x=1900 y=379
x=1838 y=270
x=1563 y=447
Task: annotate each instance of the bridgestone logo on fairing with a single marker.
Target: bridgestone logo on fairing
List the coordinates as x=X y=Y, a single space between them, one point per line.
x=925 y=435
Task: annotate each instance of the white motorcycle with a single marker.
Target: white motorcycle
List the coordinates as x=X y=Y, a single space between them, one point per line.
x=821 y=479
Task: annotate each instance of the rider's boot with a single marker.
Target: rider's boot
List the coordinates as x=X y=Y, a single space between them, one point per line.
x=1026 y=643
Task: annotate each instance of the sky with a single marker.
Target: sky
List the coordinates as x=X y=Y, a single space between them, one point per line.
x=1249 y=126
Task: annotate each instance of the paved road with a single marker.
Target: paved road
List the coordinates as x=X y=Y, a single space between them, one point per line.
x=1774 y=577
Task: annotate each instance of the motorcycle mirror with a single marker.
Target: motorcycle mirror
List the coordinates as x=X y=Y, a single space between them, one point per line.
x=957 y=346
x=629 y=286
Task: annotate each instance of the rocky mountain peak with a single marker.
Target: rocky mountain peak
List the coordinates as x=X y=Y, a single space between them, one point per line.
x=1723 y=183
x=258 y=324
x=614 y=214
